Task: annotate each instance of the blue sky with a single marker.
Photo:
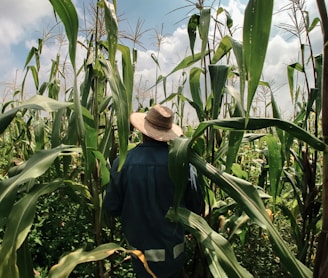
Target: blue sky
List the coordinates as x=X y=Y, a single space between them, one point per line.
x=156 y=12
x=153 y=13
x=23 y=22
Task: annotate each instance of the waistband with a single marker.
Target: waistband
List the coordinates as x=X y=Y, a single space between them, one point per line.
x=158 y=255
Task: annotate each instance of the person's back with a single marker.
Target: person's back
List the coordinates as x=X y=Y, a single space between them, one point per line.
x=142 y=193
x=148 y=194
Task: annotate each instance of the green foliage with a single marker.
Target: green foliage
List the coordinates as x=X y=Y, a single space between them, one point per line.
x=214 y=246
x=62 y=222
x=256 y=31
x=68 y=15
x=56 y=155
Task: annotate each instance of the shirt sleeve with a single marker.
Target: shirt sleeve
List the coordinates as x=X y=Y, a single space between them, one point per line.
x=114 y=192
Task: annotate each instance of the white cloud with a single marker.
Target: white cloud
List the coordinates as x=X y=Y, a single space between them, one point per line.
x=19 y=22
x=18 y=19
x=281 y=52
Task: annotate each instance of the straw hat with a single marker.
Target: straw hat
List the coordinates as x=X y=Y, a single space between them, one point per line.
x=157 y=123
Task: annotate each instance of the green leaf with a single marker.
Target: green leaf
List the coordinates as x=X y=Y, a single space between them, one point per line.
x=19 y=223
x=153 y=56
x=67 y=263
x=33 y=51
x=67 y=13
x=128 y=73
x=223 y=48
x=218 y=75
x=235 y=139
x=36 y=166
x=44 y=103
x=178 y=166
x=90 y=141
x=103 y=167
x=192 y=28
x=35 y=102
x=238 y=171
x=39 y=133
x=314 y=24
x=293 y=224
x=218 y=251
x=250 y=202
x=35 y=76
x=54 y=68
x=112 y=30
x=280 y=133
x=121 y=107
x=256 y=32
x=239 y=123
x=56 y=137
x=195 y=90
x=319 y=72
x=186 y=62
x=238 y=51
x=6 y=118
x=275 y=165
x=24 y=261
x=203 y=28
x=290 y=74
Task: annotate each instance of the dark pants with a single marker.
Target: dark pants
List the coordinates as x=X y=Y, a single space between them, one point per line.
x=176 y=275
x=161 y=270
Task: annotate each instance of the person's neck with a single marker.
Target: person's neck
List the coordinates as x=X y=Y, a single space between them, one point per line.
x=146 y=139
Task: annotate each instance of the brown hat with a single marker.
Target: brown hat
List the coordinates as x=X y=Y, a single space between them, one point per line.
x=157 y=123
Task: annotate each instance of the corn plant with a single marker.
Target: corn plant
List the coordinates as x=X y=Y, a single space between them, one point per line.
x=250 y=57
x=83 y=131
x=86 y=128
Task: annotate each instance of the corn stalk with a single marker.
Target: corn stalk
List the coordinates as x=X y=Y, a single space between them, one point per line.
x=321 y=266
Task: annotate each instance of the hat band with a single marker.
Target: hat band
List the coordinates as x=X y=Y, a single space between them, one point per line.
x=159 y=125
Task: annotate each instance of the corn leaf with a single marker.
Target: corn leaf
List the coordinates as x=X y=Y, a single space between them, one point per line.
x=67 y=263
x=185 y=63
x=238 y=51
x=35 y=76
x=36 y=166
x=195 y=90
x=24 y=261
x=256 y=32
x=275 y=163
x=290 y=75
x=239 y=123
x=120 y=105
x=112 y=30
x=128 y=72
x=203 y=27
x=103 y=168
x=192 y=28
x=223 y=48
x=178 y=155
x=18 y=225
x=68 y=15
x=35 y=102
x=218 y=74
x=249 y=200
x=218 y=251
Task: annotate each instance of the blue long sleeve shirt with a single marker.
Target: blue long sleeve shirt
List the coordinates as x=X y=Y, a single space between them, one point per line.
x=141 y=193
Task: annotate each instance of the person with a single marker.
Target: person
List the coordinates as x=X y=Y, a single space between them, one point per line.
x=142 y=192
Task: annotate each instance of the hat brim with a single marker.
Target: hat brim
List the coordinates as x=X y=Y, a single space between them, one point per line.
x=137 y=119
